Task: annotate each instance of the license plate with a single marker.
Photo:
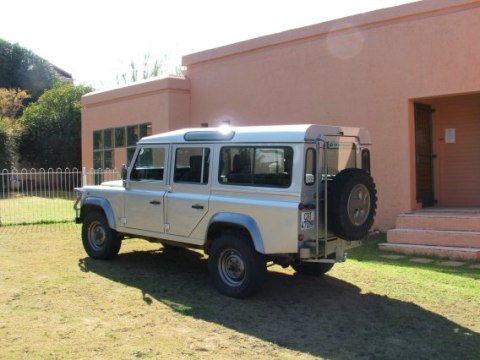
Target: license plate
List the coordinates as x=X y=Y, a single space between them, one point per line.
x=307 y=221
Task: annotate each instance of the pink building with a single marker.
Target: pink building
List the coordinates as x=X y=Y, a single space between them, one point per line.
x=410 y=74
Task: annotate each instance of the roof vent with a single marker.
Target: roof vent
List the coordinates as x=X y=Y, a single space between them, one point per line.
x=214 y=135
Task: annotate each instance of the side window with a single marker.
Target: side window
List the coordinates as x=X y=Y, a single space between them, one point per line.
x=149 y=165
x=310 y=167
x=192 y=165
x=256 y=166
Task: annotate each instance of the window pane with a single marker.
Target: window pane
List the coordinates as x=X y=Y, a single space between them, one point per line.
x=120 y=137
x=149 y=164
x=256 y=166
x=273 y=166
x=108 y=138
x=132 y=135
x=192 y=165
x=340 y=156
x=108 y=159
x=144 y=157
x=310 y=167
x=98 y=159
x=236 y=165
x=145 y=130
x=97 y=140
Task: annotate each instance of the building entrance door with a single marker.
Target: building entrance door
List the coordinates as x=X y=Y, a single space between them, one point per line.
x=424 y=154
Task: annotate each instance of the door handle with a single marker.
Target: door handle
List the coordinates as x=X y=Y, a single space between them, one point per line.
x=197 y=206
x=155 y=202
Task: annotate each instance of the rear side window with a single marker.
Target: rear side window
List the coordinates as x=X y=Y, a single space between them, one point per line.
x=256 y=166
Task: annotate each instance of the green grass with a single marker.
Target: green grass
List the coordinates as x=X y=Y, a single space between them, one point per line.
x=152 y=303
x=368 y=253
x=22 y=210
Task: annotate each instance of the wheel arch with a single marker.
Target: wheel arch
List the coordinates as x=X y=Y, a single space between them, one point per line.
x=95 y=203
x=222 y=221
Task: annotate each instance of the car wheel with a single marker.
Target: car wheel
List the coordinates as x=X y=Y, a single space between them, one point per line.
x=237 y=269
x=99 y=240
x=169 y=247
x=352 y=204
x=312 y=269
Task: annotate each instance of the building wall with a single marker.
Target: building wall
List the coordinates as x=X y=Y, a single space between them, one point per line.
x=165 y=103
x=365 y=70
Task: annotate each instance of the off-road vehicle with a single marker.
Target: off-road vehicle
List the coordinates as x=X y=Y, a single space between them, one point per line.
x=294 y=195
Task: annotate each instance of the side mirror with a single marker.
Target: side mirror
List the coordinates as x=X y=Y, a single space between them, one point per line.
x=124 y=172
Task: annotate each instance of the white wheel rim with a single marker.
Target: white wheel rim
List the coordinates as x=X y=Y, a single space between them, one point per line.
x=231 y=267
x=358 y=205
x=96 y=235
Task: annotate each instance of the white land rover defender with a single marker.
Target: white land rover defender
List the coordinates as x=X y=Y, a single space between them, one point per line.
x=295 y=195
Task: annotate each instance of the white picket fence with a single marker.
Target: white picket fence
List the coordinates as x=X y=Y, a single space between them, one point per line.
x=38 y=196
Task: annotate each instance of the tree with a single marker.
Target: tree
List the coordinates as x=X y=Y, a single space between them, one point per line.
x=147 y=70
x=21 y=68
x=11 y=102
x=11 y=105
x=51 y=128
x=6 y=156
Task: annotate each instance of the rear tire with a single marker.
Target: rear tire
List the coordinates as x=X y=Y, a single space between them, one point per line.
x=99 y=240
x=313 y=269
x=169 y=247
x=236 y=268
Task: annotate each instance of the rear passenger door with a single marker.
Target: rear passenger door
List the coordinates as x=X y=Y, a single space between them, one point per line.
x=189 y=191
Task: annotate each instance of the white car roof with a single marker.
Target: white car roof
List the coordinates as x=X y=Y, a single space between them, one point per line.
x=257 y=134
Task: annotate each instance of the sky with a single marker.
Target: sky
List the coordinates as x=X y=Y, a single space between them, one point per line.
x=95 y=40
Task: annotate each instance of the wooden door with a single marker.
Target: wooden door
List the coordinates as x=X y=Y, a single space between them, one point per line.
x=424 y=154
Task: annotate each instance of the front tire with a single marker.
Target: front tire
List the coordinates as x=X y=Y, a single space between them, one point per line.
x=236 y=268
x=99 y=240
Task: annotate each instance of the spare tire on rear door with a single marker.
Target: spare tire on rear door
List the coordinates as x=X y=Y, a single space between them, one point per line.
x=352 y=204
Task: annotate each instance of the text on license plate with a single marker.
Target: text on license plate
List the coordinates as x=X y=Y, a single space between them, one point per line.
x=307 y=220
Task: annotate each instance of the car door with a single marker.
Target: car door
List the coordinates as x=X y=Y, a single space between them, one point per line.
x=145 y=190
x=189 y=192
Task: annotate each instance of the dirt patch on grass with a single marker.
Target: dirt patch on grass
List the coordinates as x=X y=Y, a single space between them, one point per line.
x=153 y=303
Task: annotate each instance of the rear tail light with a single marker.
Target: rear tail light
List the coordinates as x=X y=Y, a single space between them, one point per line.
x=366 y=160
x=303 y=206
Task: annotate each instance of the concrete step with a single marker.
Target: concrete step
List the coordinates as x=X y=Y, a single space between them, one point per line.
x=451 y=252
x=440 y=221
x=467 y=239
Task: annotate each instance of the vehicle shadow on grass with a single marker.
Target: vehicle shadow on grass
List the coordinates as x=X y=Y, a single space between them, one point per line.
x=324 y=317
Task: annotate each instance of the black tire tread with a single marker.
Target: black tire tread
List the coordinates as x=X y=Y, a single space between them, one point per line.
x=312 y=269
x=339 y=191
x=113 y=242
x=255 y=262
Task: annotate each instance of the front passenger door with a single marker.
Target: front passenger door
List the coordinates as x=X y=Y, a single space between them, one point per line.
x=145 y=190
